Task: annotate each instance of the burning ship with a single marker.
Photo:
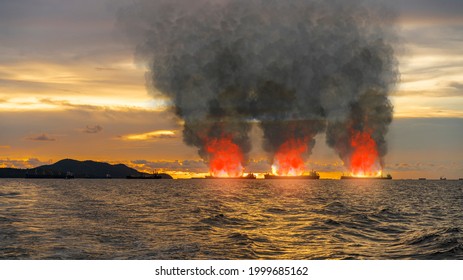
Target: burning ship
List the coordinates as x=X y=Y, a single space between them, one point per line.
x=312 y=176
x=365 y=159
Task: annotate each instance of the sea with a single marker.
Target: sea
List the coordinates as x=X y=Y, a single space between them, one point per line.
x=230 y=219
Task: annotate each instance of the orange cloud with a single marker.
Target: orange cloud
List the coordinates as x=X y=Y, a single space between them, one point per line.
x=157 y=134
x=92 y=129
x=41 y=137
x=22 y=163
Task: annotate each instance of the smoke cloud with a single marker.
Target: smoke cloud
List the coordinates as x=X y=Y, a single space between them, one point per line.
x=299 y=67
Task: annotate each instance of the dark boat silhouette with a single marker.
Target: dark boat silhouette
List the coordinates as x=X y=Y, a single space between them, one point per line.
x=422 y=178
x=155 y=175
x=312 y=176
x=348 y=177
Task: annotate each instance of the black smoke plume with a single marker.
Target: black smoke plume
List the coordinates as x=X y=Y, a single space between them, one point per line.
x=297 y=66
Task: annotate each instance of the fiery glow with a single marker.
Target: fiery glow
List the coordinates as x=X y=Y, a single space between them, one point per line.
x=364 y=161
x=288 y=160
x=225 y=157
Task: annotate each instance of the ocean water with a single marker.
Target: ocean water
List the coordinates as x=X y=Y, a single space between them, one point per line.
x=230 y=219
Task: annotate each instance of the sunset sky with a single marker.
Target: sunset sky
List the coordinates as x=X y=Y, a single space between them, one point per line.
x=69 y=88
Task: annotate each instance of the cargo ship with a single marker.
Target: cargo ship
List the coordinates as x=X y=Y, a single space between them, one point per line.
x=312 y=176
x=249 y=176
x=347 y=177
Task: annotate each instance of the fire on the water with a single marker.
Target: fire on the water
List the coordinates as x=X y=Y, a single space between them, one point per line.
x=226 y=160
x=288 y=162
x=288 y=159
x=364 y=160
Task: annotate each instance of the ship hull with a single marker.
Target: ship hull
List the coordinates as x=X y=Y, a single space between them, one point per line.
x=245 y=177
x=303 y=177
x=364 y=178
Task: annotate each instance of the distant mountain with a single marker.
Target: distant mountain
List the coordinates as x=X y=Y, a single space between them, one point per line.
x=80 y=169
x=87 y=169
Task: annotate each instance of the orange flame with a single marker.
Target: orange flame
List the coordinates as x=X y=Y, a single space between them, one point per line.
x=364 y=161
x=225 y=157
x=288 y=160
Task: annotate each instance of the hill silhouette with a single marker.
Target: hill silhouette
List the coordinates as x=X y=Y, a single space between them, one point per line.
x=80 y=169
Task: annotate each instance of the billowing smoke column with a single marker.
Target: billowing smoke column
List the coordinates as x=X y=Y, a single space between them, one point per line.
x=357 y=125
x=359 y=139
x=297 y=66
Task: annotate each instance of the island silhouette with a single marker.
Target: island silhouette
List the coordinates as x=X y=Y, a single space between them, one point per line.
x=77 y=169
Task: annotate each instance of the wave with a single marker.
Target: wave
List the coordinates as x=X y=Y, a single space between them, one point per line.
x=221 y=219
x=441 y=243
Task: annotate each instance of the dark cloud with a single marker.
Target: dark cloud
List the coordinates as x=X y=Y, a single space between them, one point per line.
x=425 y=166
x=54 y=23
x=41 y=137
x=423 y=139
x=458 y=86
x=429 y=8
x=69 y=105
x=435 y=37
x=439 y=92
x=140 y=161
x=92 y=129
x=85 y=28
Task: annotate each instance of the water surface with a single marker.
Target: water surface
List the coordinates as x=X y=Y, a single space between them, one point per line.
x=230 y=219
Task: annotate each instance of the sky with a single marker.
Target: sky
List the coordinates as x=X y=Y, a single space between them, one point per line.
x=70 y=88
